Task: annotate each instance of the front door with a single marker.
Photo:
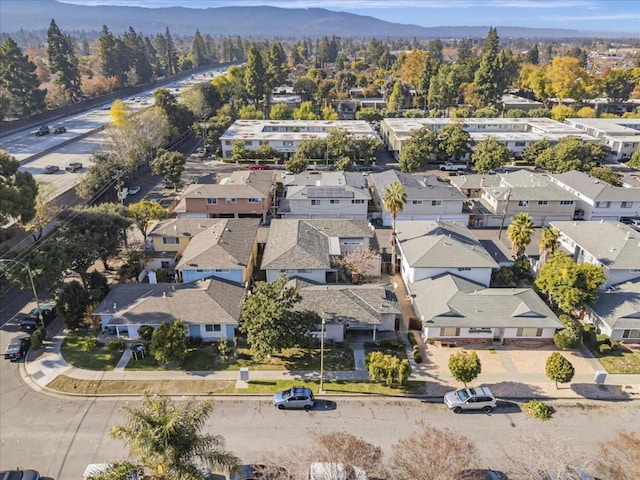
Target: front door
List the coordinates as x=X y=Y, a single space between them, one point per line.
x=497 y=334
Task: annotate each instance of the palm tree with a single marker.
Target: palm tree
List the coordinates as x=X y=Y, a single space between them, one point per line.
x=519 y=233
x=394 y=199
x=165 y=438
x=548 y=243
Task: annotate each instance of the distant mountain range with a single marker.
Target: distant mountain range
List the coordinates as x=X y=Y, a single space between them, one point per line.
x=36 y=15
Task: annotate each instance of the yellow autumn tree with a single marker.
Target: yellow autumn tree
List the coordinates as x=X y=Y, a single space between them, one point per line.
x=568 y=78
x=120 y=113
x=412 y=66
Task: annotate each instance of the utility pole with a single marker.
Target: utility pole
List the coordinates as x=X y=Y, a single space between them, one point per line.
x=504 y=213
x=120 y=191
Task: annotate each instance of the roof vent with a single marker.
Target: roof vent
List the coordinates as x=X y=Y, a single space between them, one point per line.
x=164 y=294
x=601 y=220
x=612 y=249
x=115 y=306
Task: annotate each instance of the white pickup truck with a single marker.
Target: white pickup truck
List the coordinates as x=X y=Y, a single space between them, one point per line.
x=453 y=167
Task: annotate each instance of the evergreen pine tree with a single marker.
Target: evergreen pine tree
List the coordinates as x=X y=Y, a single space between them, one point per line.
x=63 y=62
x=487 y=76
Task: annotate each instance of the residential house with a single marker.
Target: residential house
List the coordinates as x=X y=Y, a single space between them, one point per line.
x=430 y=248
x=472 y=186
x=210 y=309
x=429 y=197
x=612 y=245
x=227 y=250
x=244 y=194
x=286 y=135
x=305 y=248
x=616 y=312
x=455 y=310
x=371 y=308
x=599 y=200
x=325 y=195
x=620 y=135
x=523 y=191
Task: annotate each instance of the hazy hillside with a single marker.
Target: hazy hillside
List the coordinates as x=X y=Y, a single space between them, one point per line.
x=245 y=21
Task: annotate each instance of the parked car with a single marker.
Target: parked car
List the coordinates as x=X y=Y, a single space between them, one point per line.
x=43 y=130
x=17 y=348
x=59 y=130
x=134 y=190
x=476 y=398
x=19 y=475
x=632 y=222
x=259 y=166
x=49 y=169
x=48 y=312
x=74 y=167
x=295 y=397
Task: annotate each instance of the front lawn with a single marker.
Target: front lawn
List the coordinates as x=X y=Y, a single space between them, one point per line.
x=620 y=361
x=395 y=347
x=75 y=352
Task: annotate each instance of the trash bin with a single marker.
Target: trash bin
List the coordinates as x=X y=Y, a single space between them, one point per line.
x=244 y=374
x=600 y=377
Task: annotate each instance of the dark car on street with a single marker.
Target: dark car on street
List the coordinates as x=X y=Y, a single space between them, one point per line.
x=19 y=475
x=74 y=167
x=43 y=130
x=17 y=349
x=31 y=321
x=59 y=130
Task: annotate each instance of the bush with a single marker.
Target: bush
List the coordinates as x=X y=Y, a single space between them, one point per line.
x=146 y=332
x=412 y=339
x=116 y=345
x=567 y=339
x=589 y=336
x=36 y=339
x=393 y=344
x=537 y=409
x=90 y=344
x=417 y=354
x=604 y=349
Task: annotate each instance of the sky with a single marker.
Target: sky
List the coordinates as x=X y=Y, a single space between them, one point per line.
x=591 y=15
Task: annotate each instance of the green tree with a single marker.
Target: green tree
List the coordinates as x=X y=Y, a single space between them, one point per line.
x=634 y=161
x=465 y=366
x=305 y=112
x=534 y=150
x=420 y=148
x=138 y=56
x=199 y=51
x=144 y=212
x=617 y=85
x=72 y=303
x=180 y=116
x=567 y=284
x=519 y=233
x=532 y=56
x=567 y=339
x=548 y=243
x=296 y=164
x=170 y=165
x=305 y=87
x=559 y=369
x=165 y=440
x=46 y=209
x=279 y=111
x=487 y=78
x=254 y=75
x=570 y=154
x=490 y=154
x=114 y=57
x=454 y=143
x=169 y=342
x=369 y=114
x=607 y=175
x=18 y=191
x=249 y=112
x=394 y=199
x=560 y=112
x=313 y=148
x=397 y=98
x=63 y=62
x=238 y=151
x=270 y=321
x=387 y=368
x=340 y=144
x=18 y=78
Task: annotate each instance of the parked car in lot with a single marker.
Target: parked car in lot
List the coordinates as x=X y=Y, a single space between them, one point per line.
x=134 y=190
x=295 y=397
x=49 y=169
x=17 y=349
x=59 y=130
x=43 y=130
x=259 y=166
x=74 y=167
x=19 y=475
x=476 y=398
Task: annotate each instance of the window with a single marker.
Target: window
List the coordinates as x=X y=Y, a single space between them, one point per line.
x=170 y=240
x=287 y=143
x=520 y=144
x=334 y=202
x=631 y=334
x=523 y=203
x=416 y=202
x=203 y=270
x=221 y=270
x=479 y=330
x=566 y=202
x=464 y=269
x=255 y=200
x=212 y=201
x=357 y=201
x=212 y=328
x=543 y=202
x=165 y=264
x=315 y=202
x=449 y=332
x=248 y=143
x=529 y=332
x=227 y=143
x=436 y=203
x=626 y=205
x=603 y=204
x=231 y=200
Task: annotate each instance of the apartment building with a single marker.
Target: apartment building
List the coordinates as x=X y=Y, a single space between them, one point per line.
x=620 y=135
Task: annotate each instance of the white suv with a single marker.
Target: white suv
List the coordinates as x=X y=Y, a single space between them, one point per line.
x=477 y=398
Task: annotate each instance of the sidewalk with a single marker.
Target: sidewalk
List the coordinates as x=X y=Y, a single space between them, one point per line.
x=517 y=378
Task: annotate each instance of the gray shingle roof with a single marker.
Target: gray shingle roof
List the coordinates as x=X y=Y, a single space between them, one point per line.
x=441 y=244
x=620 y=308
x=181 y=227
x=206 y=302
x=424 y=188
x=615 y=245
x=450 y=301
x=304 y=244
x=347 y=304
x=595 y=188
x=240 y=184
x=227 y=243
